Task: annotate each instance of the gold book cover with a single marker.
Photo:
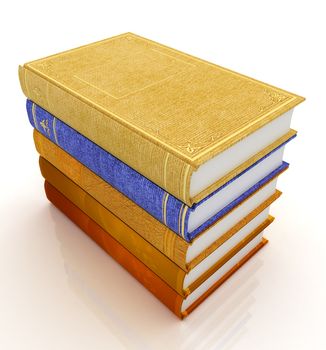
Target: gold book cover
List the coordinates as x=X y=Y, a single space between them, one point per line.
x=168 y=115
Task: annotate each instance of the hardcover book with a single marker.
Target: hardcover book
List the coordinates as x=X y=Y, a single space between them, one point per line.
x=185 y=255
x=181 y=306
x=184 y=283
x=188 y=222
x=186 y=124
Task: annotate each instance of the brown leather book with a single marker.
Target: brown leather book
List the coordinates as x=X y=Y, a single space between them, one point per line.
x=178 y=304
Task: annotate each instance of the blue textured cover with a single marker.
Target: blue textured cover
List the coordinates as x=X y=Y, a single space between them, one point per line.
x=132 y=184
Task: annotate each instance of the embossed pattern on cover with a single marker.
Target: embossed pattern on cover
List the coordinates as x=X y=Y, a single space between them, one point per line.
x=166 y=95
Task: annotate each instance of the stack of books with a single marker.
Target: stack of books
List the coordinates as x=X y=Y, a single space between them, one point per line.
x=168 y=162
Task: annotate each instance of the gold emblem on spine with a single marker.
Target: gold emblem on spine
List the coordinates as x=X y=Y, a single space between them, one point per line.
x=45 y=125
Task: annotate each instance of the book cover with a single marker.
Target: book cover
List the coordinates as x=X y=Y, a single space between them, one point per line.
x=145 y=103
x=164 y=207
x=171 y=273
x=127 y=260
x=154 y=232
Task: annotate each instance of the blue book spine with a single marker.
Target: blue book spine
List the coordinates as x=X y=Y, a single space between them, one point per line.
x=152 y=198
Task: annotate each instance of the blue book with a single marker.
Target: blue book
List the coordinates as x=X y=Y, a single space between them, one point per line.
x=188 y=222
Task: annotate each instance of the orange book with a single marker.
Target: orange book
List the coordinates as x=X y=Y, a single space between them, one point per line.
x=182 y=282
x=168 y=296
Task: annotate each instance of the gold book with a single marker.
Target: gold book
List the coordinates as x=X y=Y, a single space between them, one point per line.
x=170 y=116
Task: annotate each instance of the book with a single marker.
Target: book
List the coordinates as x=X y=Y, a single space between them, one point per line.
x=176 y=303
x=188 y=222
x=186 y=124
x=185 y=255
x=183 y=282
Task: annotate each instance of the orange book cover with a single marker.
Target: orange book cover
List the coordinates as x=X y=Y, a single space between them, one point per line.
x=140 y=271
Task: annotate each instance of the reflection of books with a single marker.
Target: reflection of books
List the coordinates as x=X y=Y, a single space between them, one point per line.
x=105 y=287
x=181 y=306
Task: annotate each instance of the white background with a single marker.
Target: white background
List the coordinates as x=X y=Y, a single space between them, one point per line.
x=58 y=290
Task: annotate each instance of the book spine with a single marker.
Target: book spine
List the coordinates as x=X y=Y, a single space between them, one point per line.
x=171 y=273
x=159 y=235
x=148 y=158
x=161 y=205
x=134 y=266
